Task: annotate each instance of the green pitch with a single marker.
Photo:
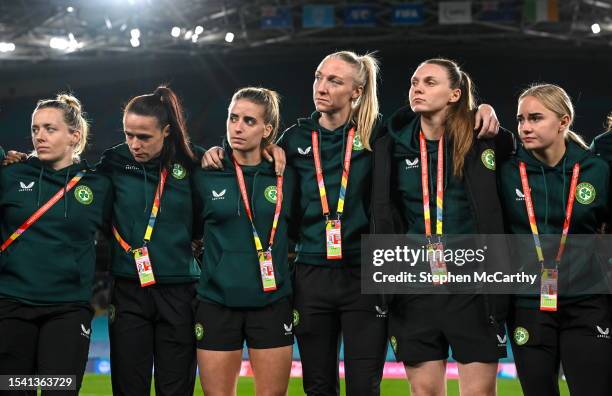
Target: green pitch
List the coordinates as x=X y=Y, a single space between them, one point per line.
x=97 y=385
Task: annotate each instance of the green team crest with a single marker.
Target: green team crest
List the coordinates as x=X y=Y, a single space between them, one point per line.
x=357 y=143
x=84 y=195
x=296 y=317
x=488 y=159
x=178 y=172
x=585 y=193
x=521 y=335
x=199 y=331
x=270 y=194
x=393 y=341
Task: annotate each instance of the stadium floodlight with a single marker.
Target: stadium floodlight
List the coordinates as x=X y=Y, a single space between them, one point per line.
x=199 y=30
x=194 y=38
x=108 y=23
x=229 y=37
x=176 y=31
x=595 y=28
x=70 y=9
x=135 y=42
x=73 y=44
x=7 y=47
x=188 y=34
x=59 y=43
x=135 y=33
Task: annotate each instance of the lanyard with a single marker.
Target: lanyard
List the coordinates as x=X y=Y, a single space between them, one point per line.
x=41 y=211
x=247 y=207
x=439 y=185
x=345 y=172
x=154 y=211
x=531 y=212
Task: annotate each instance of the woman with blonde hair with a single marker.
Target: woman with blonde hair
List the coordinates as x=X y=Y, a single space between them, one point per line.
x=51 y=206
x=566 y=192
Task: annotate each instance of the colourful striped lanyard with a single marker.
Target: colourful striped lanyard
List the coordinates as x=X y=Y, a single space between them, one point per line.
x=439 y=185
x=247 y=207
x=531 y=212
x=42 y=210
x=154 y=211
x=345 y=172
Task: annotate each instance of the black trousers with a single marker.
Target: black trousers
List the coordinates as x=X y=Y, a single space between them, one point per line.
x=152 y=326
x=329 y=306
x=44 y=340
x=576 y=336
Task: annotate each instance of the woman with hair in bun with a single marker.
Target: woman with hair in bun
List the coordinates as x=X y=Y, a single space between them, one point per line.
x=154 y=270
x=51 y=205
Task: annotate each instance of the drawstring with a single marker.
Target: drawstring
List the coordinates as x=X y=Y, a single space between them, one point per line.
x=65 y=190
x=40 y=176
x=253 y=192
x=146 y=197
x=563 y=170
x=545 y=196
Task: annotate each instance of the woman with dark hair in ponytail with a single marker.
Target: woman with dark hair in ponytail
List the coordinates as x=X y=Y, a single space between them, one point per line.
x=150 y=316
x=431 y=146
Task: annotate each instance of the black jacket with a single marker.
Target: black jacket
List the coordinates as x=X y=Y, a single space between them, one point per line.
x=480 y=184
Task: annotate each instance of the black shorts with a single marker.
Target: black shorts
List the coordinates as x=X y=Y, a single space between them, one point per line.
x=220 y=328
x=423 y=327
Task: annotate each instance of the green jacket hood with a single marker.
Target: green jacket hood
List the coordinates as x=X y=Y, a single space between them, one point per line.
x=312 y=124
x=66 y=173
x=573 y=154
x=403 y=126
x=264 y=167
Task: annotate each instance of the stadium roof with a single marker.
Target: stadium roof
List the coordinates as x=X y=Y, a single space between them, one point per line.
x=102 y=29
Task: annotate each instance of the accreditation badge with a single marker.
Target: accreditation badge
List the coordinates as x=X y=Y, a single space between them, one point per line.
x=549 y=289
x=435 y=256
x=333 y=237
x=143 y=266
x=267 y=271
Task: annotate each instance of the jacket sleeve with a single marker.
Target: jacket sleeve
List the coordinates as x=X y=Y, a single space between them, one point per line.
x=505 y=146
x=384 y=216
x=294 y=217
x=198 y=208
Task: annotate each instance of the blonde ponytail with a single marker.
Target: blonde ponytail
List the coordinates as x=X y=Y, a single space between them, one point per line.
x=364 y=112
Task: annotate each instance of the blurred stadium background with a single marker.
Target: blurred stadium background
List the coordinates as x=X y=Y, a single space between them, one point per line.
x=106 y=51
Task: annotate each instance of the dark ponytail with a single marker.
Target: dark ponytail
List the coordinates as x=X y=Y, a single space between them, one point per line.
x=165 y=106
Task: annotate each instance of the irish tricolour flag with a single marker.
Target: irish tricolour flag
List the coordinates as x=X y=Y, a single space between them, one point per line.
x=541 y=11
